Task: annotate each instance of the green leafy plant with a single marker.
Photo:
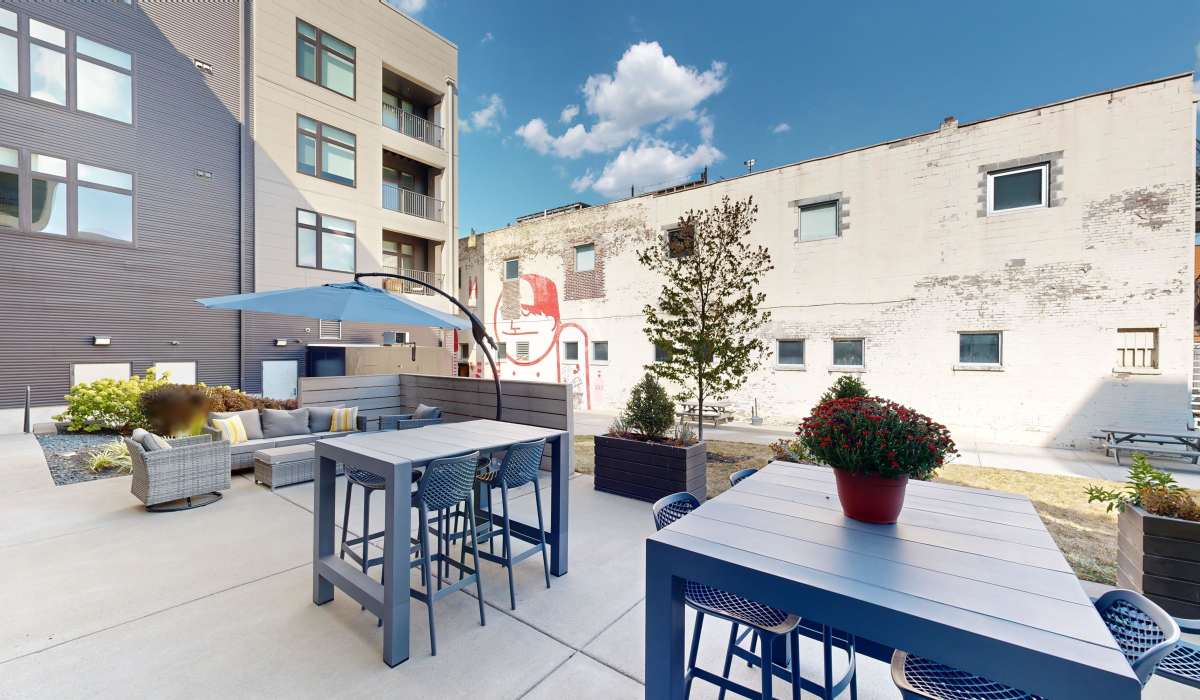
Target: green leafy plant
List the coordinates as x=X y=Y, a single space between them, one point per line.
x=846 y=386
x=108 y=404
x=790 y=450
x=174 y=409
x=113 y=455
x=649 y=411
x=1149 y=488
x=870 y=435
x=224 y=398
x=709 y=311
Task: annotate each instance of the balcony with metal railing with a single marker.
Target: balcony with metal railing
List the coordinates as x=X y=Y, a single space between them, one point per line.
x=405 y=287
x=406 y=201
x=410 y=124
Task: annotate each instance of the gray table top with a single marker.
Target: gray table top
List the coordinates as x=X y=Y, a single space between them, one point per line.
x=965 y=566
x=420 y=445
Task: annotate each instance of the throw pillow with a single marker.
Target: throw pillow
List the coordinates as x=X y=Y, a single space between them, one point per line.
x=344 y=419
x=250 y=421
x=152 y=442
x=232 y=429
x=424 y=412
x=277 y=423
x=320 y=418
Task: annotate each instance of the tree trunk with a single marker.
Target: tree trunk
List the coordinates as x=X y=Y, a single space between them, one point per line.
x=700 y=410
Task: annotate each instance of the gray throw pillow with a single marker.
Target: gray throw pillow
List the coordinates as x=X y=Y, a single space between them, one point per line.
x=250 y=421
x=320 y=418
x=424 y=412
x=277 y=423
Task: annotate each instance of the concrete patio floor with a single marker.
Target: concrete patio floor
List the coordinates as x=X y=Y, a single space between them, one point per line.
x=107 y=600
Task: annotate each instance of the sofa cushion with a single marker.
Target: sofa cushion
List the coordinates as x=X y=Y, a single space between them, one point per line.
x=325 y=435
x=277 y=423
x=252 y=445
x=305 y=439
x=320 y=418
x=425 y=412
x=250 y=421
x=284 y=455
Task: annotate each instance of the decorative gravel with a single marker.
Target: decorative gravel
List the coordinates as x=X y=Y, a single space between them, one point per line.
x=67 y=456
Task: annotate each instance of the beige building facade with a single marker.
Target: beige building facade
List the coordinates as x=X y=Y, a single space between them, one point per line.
x=1024 y=279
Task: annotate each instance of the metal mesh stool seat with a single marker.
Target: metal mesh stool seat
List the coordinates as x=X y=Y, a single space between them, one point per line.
x=921 y=678
x=737 y=608
x=365 y=479
x=1182 y=665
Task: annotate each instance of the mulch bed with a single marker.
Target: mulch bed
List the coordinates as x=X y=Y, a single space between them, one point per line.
x=67 y=456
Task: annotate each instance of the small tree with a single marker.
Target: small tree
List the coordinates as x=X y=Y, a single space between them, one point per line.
x=649 y=411
x=846 y=386
x=707 y=313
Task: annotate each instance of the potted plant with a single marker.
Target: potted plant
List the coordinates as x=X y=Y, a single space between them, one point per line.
x=1158 y=537
x=874 y=446
x=638 y=459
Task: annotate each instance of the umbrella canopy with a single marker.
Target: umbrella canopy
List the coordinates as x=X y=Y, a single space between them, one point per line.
x=345 y=301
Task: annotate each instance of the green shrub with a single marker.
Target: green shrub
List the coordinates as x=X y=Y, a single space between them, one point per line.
x=223 y=398
x=649 y=411
x=108 y=404
x=846 y=386
x=114 y=455
x=1149 y=488
x=792 y=450
x=174 y=409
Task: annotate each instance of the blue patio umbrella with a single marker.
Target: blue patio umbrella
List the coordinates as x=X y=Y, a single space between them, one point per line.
x=355 y=301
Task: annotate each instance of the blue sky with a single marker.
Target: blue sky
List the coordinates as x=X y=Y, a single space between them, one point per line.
x=662 y=89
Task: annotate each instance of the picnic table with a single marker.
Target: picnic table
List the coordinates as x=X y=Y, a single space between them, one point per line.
x=716 y=411
x=1118 y=440
x=967 y=577
x=394 y=455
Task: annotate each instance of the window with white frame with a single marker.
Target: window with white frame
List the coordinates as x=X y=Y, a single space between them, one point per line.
x=789 y=353
x=329 y=330
x=103 y=80
x=571 y=350
x=1016 y=189
x=10 y=79
x=585 y=257
x=848 y=352
x=1137 y=348
x=819 y=221
x=979 y=348
x=512 y=269
x=599 y=351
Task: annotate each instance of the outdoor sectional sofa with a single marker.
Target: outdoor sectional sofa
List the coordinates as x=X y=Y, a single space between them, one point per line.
x=271 y=428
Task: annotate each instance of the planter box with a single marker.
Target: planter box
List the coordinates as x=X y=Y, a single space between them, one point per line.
x=1160 y=557
x=648 y=471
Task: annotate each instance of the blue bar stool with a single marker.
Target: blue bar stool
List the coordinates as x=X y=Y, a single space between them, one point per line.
x=1183 y=664
x=740 y=474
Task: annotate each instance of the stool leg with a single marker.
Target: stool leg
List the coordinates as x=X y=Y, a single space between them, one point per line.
x=346 y=519
x=692 y=653
x=537 y=497
x=474 y=553
x=827 y=642
x=733 y=628
x=428 y=578
x=512 y=591
x=795 y=640
x=767 y=666
x=366 y=530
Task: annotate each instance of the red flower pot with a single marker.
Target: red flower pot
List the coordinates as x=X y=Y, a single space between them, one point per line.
x=869 y=497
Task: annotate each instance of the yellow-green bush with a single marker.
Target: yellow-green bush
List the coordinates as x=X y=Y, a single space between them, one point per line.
x=108 y=404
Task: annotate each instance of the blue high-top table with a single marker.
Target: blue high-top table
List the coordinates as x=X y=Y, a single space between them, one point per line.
x=968 y=577
x=393 y=455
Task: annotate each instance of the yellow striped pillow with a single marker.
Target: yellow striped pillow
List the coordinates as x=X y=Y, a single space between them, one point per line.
x=232 y=429
x=344 y=419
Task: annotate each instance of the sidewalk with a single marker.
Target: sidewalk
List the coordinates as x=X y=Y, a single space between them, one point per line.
x=22 y=464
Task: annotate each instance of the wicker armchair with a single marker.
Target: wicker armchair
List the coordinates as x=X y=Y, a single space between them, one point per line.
x=188 y=475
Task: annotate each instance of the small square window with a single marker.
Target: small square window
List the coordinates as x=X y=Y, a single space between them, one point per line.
x=979 y=348
x=819 y=221
x=662 y=353
x=681 y=241
x=501 y=351
x=512 y=269
x=585 y=257
x=571 y=351
x=600 y=351
x=1137 y=348
x=790 y=353
x=848 y=352
x=1018 y=188
x=464 y=351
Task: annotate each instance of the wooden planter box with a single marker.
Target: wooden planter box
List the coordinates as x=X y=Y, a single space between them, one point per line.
x=648 y=470
x=1160 y=557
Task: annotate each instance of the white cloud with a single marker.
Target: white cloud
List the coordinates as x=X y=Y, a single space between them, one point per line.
x=486 y=118
x=487 y=37
x=568 y=114
x=583 y=182
x=411 y=7
x=647 y=163
x=647 y=87
x=781 y=128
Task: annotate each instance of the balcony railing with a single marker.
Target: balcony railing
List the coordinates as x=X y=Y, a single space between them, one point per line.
x=405 y=201
x=410 y=124
x=406 y=287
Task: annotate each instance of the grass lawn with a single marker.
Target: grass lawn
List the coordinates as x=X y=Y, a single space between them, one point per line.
x=1085 y=533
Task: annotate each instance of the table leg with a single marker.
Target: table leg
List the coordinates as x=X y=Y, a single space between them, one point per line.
x=324 y=484
x=560 y=487
x=398 y=526
x=664 y=629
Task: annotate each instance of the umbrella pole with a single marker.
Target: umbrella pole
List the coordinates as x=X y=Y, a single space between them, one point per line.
x=478 y=331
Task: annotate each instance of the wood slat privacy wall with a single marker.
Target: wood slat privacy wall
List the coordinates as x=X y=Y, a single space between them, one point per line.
x=461 y=398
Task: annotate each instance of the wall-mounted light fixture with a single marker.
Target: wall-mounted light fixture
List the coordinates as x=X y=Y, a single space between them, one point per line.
x=101 y=340
x=281 y=342
x=173 y=343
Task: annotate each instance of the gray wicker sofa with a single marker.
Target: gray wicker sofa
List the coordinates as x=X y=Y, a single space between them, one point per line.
x=268 y=428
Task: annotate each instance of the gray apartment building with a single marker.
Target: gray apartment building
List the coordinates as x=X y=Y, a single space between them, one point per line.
x=152 y=153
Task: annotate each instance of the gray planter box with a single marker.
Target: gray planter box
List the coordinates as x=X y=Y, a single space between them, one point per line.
x=647 y=470
x=1160 y=557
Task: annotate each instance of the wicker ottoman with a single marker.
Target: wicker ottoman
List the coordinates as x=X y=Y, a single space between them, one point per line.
x=280 y=466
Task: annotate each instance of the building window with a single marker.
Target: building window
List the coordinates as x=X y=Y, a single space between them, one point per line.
x=662 y=353
x=600 y=351
x=84 y=373
x=48 y=180
x=979 y=348
x=47 y=63
x=585 y=257
x=329 y=330
x=789 y=353
x=1137 y=348
x=464 y=351
x=179 y=372
x=324 y=242
x=819 y=221
x=512 y=269
x=324 y=59
x=571 y=350
x=501 y=350
x=65 y=198
x=10 y=189
x=848 y=352
x=324 y=151
x=104 y=203
x=103 y=80
x=10 y=79
x=523 y=350
x=681 y=241
x=1018 y=188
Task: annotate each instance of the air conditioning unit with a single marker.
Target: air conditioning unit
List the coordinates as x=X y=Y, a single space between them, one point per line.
x=395 y=337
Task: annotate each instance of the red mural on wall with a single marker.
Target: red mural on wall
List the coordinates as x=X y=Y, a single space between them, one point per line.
x=534 y=340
